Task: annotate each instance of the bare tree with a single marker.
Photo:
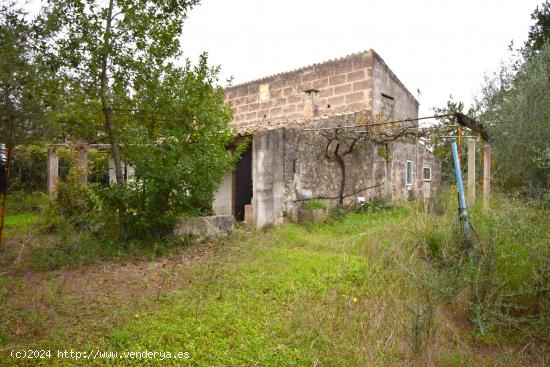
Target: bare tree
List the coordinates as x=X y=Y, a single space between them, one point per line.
x=342 y=141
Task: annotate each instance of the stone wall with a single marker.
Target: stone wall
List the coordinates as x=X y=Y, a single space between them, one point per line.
x=389 y=94
x=371 y=171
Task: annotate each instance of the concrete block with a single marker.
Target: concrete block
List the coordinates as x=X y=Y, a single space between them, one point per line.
x=354 y=97
x=205 y=227
x=356 y=75
x=249 y=215
x=361 y=85
x=338 y=79
x=342 y=89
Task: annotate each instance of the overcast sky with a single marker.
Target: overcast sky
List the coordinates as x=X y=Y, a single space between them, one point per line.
x=440 y=47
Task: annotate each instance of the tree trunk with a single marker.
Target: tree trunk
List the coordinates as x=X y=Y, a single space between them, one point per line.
x=108 y=115
x=342 y=166
x=5 y=192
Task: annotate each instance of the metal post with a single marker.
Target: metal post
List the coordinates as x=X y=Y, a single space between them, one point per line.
x=462 y=200
x=472 y=171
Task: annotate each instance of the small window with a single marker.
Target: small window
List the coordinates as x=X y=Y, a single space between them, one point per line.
x=409 y=172
x=388 y=104
x=427 y=172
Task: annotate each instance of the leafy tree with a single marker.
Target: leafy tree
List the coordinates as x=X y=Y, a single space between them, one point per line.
x=539 y=33
x=176 y=143
x=104 y=50
x=23 y=80
x=447 y=126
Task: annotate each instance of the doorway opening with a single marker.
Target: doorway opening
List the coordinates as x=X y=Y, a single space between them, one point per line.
x=243 y=183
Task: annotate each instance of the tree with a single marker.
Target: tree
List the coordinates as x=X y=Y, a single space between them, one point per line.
x=23 y=80
x=176 y=141
x=104 y=50
x=539 y=33
x=343 y=141
x=446 y=126
x=515 y=105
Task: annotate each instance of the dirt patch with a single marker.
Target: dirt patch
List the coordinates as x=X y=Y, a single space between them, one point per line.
x=37 y=305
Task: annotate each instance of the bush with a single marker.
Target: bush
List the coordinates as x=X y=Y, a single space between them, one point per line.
x=315 y=204
x=74 y=202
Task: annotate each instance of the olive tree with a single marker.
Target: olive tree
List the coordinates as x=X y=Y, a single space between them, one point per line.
x=515 y=105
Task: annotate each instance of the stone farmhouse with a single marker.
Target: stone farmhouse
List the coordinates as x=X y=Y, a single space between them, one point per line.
x=286 y=162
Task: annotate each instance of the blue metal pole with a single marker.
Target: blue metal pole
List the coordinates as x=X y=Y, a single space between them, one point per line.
x=462 y=199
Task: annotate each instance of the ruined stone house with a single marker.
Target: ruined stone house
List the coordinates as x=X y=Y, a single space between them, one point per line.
x=285 y=164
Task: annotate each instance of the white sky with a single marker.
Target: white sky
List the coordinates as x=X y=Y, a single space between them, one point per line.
x=440 y=47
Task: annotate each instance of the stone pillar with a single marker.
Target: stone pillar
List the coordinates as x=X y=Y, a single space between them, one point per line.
x=486 y=175
x=53 y=170
x=130 y=172
x=82 y=164
x=472 y=171
x=267 y=178
x=112 y=173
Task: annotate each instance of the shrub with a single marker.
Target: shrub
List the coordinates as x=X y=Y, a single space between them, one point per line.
x=74 y=202
x=315 y=204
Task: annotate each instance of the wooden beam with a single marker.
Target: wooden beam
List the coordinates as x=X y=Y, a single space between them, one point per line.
x=472 y=171
x=472 y=124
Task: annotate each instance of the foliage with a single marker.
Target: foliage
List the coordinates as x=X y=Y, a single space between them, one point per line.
x=178 y=159
x=141 y=39
x=447 y=126
x=27 y=202
x=515 y=106
x=539 y=33
x=23 y=80
x=504 y=288
x=28 y=169
x=315 y=204
x=74 y=201
x=117 y=59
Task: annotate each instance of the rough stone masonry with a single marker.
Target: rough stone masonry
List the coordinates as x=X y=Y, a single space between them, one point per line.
x=286 y=164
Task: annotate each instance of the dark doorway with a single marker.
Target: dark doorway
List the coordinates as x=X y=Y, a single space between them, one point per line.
x=243 y=183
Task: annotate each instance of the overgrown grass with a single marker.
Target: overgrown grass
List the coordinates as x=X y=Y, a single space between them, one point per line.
x=388 y=286
x=21 y=202
x=504 y=287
